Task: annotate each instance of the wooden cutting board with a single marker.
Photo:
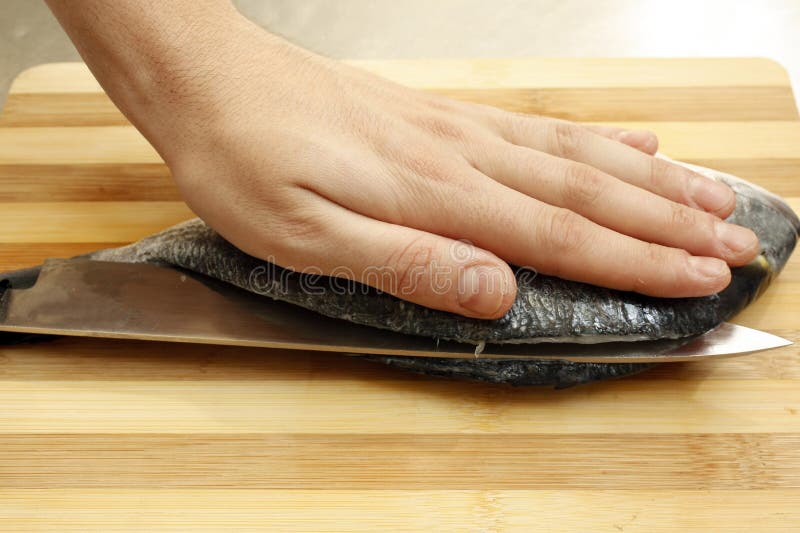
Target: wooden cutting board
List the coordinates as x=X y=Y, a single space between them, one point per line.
x=101 y=434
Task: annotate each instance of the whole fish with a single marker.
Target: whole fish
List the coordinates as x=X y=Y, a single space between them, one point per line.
x=547 y=309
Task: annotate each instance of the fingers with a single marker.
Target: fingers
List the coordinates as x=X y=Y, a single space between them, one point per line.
x=413 y=265
x=444 y=198
x=571 y=141
x=550 y=239
x=559 y=242
x=618 y=205
x=643 y=140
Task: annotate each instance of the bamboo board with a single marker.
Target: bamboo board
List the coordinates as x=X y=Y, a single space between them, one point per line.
x=104 y=435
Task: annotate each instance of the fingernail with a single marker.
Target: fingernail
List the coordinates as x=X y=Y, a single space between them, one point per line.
x=709 y=194
x=736 y=238
x=708 y=267
x=481 y=290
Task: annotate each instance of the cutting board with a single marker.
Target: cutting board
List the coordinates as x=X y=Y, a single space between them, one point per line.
x=102 y=434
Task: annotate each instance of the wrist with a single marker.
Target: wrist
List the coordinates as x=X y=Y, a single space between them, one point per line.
x=196 y=105
x=170 y=78
x=197 y=88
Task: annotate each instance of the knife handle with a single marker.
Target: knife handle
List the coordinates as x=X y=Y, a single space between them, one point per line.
x=19 y=279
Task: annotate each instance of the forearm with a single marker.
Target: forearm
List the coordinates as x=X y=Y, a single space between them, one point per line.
x=158 y=59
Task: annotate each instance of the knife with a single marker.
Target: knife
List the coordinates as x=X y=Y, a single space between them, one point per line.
x=84 y=298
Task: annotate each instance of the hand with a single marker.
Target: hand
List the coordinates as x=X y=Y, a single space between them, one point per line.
x=310 y=163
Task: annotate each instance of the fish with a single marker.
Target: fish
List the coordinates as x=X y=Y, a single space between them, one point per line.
x=547 y=309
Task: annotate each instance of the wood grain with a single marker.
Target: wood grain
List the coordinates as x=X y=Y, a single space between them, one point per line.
x=584 y=103
x=556 y=510
x=124 y=435
x=89 y=163
x=354 y=460
x=37 y=222
x=278 y=406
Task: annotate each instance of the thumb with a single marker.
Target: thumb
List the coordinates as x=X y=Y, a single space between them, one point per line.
x=420 y=267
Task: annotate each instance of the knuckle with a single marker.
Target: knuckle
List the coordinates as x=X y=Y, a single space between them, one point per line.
x=564 y=232
x=441 y=103
x=655 y=254
x=433 y=177
x=410 y=263
x=521 y=128
x=566 y=139
x=681 y=217
x=670 y=262
x=583 y=185
x=516 y=126
x=657 y=174
x=666 y=176
x=422 y=165
x=443 y=127
x=663 y=264
x=296 y=232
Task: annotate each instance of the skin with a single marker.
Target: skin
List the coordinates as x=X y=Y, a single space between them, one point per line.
x=318 y=166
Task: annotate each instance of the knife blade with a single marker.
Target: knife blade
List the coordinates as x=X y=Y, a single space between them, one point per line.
x=79 y=297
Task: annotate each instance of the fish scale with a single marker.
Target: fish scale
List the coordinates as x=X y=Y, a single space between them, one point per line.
x=547 y=309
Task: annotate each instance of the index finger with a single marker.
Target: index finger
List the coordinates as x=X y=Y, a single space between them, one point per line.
x=670 y=180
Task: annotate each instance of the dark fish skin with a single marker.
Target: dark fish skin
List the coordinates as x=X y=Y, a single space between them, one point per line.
x=559 y=374
x=547 y=309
